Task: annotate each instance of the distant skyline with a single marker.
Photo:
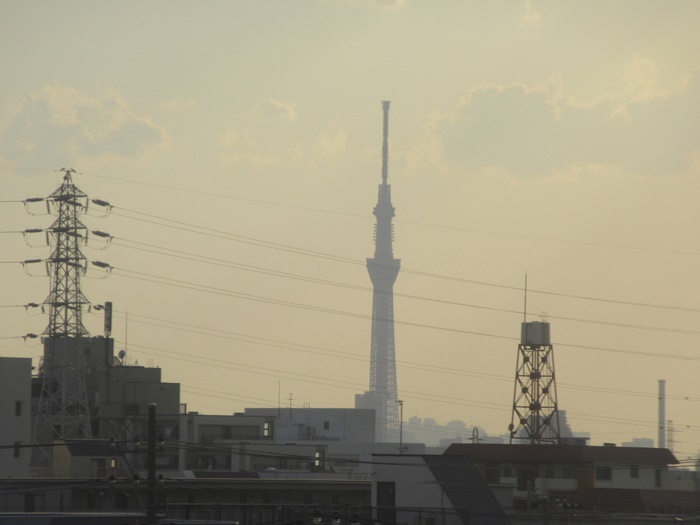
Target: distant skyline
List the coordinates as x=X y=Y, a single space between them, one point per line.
x=240 y=146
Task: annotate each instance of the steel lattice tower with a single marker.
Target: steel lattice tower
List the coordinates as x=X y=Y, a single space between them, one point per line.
x=535 y=413
x=383 y=269
x=62 y=412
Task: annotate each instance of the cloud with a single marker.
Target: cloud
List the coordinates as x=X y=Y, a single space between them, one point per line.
x=529 y=16
x=241 y=148
x=271 y=107
x=536 y=130
x=386 y=4
x=59 y=124
x=392 y=4
x=331 y=145
x=178 y=105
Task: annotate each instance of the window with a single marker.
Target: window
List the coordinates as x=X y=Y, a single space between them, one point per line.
x=326 y=425
x=657 y=477
x=266 y=429
x=113 y=463
x=17 y=448
x=603 y=473
x=634 y=472
x=18 y=408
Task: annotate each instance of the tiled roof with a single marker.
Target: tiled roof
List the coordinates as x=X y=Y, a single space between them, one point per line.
x=484 y=452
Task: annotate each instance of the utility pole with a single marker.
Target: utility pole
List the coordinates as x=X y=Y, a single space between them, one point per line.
x=151 y=460
x=400 y=427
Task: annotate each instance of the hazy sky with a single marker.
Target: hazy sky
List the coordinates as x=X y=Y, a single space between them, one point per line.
x=240 y=143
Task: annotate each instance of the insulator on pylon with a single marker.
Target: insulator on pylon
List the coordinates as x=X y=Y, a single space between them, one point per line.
x=26 y=234
x=103 y=235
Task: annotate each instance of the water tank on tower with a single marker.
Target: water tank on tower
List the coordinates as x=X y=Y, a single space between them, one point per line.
x=535 y=333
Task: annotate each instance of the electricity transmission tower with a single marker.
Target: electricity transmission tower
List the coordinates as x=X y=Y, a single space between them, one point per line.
x=62 y=412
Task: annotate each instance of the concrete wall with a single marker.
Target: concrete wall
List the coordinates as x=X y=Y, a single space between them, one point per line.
x=415 y=488
x=318 y=424
x=15 y=415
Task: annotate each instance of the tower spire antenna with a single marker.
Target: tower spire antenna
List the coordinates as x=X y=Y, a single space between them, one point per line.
x=385 y=142
x=383 y=269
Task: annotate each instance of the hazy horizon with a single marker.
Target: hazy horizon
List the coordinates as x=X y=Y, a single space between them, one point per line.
x=240 y=145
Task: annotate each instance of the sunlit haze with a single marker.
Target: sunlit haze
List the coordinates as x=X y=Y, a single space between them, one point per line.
x=239 y=145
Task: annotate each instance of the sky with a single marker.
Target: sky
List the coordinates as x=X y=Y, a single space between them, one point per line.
x=239 y=145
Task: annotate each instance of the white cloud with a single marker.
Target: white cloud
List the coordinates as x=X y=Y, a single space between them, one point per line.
x=537 y=130
x=178 y=105
x=59 y=124
x=271 y=107
x=529 y=16
x=241 y=148
x=270 y=145
x=386 y=4
x=331 y=145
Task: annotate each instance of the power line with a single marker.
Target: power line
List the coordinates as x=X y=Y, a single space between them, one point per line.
x=327 y=352
x=183 y=226
x=189 y=256
x=403 y=221
x=230 y=293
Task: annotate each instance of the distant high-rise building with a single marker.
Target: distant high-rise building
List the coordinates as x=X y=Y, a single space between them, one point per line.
x=383 y=269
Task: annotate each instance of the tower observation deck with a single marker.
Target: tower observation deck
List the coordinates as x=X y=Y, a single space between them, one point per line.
x=383 y=269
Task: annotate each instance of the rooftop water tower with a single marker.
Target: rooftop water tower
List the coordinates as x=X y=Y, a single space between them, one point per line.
x=535 y=416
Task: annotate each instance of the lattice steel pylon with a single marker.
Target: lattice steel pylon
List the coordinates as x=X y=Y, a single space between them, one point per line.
x=535 y=412
x=383 y=269
x=62 y=411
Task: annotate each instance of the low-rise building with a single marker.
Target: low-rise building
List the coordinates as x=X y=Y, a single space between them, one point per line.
x=15 y=416
x=610 y=478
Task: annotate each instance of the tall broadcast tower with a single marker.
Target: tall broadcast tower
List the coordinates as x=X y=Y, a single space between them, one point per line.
x=383 y=269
